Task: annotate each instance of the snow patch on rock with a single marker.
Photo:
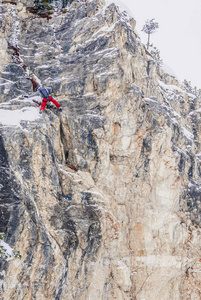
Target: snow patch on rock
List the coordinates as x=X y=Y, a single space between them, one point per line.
x=14 y=117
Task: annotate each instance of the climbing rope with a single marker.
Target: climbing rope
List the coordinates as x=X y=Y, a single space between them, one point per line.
x=56 y=72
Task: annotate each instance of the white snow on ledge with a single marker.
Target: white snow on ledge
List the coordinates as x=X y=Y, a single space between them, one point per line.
x=122 y=6
x=167 y=70
x=170 y=87
x=7 y=251
x=187 y=134
x=14 y=117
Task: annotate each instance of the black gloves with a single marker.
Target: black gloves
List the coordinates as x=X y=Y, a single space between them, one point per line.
x=26 y=96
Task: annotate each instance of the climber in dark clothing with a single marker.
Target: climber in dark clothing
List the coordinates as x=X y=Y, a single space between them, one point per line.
x=45 y=94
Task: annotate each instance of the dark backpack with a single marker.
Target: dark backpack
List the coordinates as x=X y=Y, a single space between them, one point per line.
x=44 y=92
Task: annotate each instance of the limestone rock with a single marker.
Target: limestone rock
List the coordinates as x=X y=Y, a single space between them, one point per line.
x=103 y=200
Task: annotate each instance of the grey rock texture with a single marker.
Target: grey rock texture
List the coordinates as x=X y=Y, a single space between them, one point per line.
x=102 y=200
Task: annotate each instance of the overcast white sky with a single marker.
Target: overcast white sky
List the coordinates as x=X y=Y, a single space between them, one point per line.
x=179 y=35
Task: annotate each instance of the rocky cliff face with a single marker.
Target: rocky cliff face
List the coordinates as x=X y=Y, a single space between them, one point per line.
x=102 y=201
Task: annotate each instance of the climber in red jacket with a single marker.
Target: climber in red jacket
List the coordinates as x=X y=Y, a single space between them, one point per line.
x=45 y=94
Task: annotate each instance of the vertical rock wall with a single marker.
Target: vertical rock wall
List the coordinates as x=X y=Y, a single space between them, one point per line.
x=103 y=202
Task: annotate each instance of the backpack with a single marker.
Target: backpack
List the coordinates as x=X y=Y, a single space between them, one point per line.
x=44 y=93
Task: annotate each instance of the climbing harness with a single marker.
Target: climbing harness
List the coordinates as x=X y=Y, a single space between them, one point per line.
x=56 y=72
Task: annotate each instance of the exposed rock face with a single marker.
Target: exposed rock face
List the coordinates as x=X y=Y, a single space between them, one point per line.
x=126 y=225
